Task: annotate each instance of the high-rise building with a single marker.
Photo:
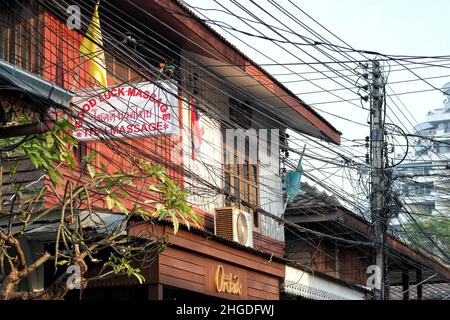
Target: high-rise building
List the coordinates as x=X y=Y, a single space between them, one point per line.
x=425 y=173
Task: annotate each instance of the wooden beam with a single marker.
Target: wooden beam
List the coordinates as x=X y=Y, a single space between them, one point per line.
x=405 y=285
x=419 y=257
x=312 y=218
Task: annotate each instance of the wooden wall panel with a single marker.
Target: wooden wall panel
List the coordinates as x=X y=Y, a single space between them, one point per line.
x=189 y=271
x=346 y=264
x=299 y=250
x=185 y=274
x=268 y=245
x=226 y=253
x=195 y=272
x=254 y=294
x=174 y=281
x=258 y=278
x=352 y=266
x=261 y=287
x=177 y=267
x=192 y=263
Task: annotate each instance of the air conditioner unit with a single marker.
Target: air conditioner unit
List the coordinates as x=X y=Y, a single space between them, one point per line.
x=234 y=224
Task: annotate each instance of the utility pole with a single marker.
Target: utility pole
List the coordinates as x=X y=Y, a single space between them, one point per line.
x=378 y=189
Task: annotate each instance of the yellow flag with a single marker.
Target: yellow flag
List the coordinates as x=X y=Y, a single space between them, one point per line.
x=92 y=51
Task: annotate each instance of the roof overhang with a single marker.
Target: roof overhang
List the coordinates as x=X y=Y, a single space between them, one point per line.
x=25 y=81
x=187 y=30
x=271 y=99
x=45 y=229
x=361 y=228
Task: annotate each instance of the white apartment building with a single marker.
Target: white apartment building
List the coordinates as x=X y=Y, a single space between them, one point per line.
x=426 y=189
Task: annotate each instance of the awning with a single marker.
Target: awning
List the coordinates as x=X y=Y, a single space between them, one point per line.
x=312 y=286
x=32 y=84
x=101 y=222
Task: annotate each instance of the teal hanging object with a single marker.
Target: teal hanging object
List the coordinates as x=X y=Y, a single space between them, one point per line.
x=293 y=183
x=293 y=180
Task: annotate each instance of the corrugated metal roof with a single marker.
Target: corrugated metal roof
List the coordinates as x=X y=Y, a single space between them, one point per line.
x=34 y=85
x=310 y=197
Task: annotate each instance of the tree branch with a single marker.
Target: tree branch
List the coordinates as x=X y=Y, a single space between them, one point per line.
x=14 y=242
x=39 y=262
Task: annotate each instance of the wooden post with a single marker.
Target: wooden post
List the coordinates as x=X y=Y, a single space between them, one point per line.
x=155 y=291
x=419 y=279
x=405 y=285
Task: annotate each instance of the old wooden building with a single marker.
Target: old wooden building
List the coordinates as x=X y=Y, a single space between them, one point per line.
x=193 y=76
x=412 y=274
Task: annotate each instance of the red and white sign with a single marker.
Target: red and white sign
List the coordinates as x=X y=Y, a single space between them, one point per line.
x=127 y=111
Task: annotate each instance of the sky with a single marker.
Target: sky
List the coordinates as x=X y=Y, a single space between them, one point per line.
x=413 y=27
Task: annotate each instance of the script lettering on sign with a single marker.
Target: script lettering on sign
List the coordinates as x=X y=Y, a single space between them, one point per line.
x=127 y=111
x=227 y=282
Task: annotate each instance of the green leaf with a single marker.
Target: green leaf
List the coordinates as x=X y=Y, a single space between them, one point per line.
x=62 y=262
x=109 y=202
x=13 y=169
x=90 y=157
x=183 y=217
x=53 y=177
x=140 y=210
x=140 y=277
x=121 y=206
x=160 y=207
x=176 y=224
x=154 y=188
x=71 y=161
x=91 y=170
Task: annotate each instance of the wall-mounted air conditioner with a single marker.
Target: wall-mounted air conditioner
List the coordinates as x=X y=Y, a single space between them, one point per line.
x=234 y=224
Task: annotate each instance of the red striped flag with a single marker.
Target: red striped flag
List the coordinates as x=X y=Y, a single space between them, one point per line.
x=197 y=129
